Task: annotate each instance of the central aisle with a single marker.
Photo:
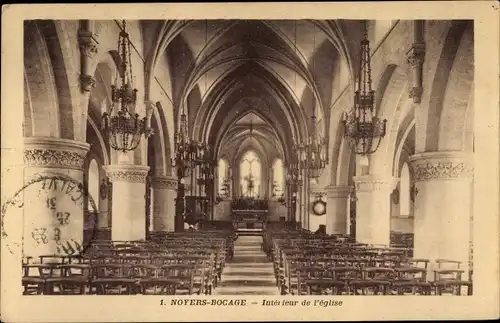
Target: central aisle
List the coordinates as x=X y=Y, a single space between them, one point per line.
x=249 y=272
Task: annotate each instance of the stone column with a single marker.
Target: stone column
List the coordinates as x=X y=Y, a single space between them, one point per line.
x=270 y=183
x=304 y=200
x=336 y=209
x=164 y=190
x=442 y=206
x=298 y=207
x=129 y=202
x=230 y=180
x=288 y=199
x=53 y=196
x=415 y=58
x=373 y=208
x=102 y=221
x=88 y=44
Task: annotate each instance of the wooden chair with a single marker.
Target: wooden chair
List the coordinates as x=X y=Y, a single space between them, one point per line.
x=325 y=287
x=33 y=279
x=453 y=287
x=184 y=274
x=67 y=286
x=411 y=280
x=416 y=262
x=369 y=287
x=159 y=286
x=307 y=273
x=203 y=273
x=111 y=279
x=448 y=278
x=291 y=284
x=386 y=262
x=52 y=259
x=375 y=281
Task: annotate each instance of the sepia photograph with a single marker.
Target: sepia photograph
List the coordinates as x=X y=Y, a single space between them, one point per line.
x=208 y=160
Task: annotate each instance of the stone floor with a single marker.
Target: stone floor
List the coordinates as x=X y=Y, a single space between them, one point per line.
x=249 y=272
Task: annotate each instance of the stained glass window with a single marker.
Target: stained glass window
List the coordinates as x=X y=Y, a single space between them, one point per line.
x=250 y=174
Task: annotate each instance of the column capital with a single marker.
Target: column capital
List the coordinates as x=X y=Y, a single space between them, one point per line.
x=54 y=152
x=165 y=182
x=87 y=82
x=370 y=183
x=442 y=165
x=337 y=191
x=415 y=56
x=88 y=43
x=415 y=93
x=127 y=173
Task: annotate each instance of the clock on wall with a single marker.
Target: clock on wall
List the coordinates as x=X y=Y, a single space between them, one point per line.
x=319 y=207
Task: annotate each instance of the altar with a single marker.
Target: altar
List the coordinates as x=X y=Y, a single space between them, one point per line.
x=249 y=213
x=249 y=219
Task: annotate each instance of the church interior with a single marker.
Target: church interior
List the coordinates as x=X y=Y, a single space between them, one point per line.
x=248 y=157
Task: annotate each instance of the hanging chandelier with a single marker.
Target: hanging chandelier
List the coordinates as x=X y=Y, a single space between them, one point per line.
x=183 y=158
x=202 y=157
x=294 y=175
x=362 y=128
x=123 y=127
x=312 y=154
x=201 y=154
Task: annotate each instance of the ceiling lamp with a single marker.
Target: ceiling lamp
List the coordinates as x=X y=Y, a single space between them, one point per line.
x=184 y=159
x=312 y=154
x=124 y=128
x=362 y=128
x=293 y=175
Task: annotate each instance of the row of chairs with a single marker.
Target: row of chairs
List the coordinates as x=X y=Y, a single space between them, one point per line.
x=169 y=264
x=308 y=264
x=119 y=279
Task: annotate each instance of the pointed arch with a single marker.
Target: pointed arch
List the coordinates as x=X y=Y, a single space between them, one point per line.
x=440 y=82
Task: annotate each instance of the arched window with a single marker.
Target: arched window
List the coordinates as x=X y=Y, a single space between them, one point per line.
x=250 y=173
x=278 y=178
x=222 y=176
x=93 y=185
x=404 y=191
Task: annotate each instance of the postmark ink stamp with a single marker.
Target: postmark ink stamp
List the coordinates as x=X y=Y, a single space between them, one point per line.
x=56 y=210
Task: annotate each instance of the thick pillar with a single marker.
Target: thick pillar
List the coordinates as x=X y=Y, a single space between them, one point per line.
x=164 y=190
x=442 y=206
x=336 y=209
x=54 y=193
x=129 y=202
x=373 y=208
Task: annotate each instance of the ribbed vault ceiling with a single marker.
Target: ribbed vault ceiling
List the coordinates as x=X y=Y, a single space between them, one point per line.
x=225 y=73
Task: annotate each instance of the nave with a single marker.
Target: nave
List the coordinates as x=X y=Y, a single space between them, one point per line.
x=281 y=262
